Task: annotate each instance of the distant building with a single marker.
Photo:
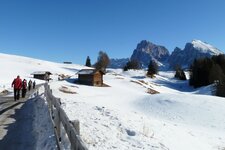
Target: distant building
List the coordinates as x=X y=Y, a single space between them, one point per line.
x=91 y=77
x=67 y=62
x=42 y=75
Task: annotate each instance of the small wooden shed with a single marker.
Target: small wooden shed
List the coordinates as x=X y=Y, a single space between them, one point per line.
x=67 y=62
x=91 y=77
x=42 y=75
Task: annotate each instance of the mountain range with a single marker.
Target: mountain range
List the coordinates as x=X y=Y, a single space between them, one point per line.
x=146 y=51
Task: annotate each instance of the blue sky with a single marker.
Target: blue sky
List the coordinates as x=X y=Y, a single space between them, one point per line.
x=70 y=30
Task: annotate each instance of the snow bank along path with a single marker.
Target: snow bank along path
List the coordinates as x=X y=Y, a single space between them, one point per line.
x=25 y=125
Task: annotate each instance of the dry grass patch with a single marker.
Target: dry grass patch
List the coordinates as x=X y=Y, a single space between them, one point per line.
x=151 y=91
x=4 y=92
x=144 y=84
x=137 y=82
x=142 y=81
x=119 y=78
x=65 y=89
x=62 y=77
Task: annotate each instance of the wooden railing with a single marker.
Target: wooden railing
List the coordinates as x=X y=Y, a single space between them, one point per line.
x=60 y=119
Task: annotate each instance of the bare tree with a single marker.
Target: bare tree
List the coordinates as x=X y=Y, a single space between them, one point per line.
x=103 y=61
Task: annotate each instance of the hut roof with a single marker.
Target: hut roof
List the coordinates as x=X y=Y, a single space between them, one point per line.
x=89 y=71
x=41 y=73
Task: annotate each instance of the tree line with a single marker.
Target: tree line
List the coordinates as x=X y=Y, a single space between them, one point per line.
x=203 y=71
x=103 y=61
x=206 y=71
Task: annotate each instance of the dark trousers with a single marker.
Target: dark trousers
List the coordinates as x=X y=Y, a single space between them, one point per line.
x=29 y=87
x=24 y=91
x=16 y=94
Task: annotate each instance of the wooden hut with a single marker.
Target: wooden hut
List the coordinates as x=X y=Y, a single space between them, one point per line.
x=67 y=62
x=42 y=75
x=91 y=77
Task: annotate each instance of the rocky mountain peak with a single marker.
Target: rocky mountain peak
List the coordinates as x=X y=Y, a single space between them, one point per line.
x=192 y=50
x=177 y=49
x=145 y=51
x=143 y=45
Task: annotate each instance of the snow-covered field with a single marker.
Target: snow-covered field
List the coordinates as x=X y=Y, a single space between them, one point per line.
x=124 y=116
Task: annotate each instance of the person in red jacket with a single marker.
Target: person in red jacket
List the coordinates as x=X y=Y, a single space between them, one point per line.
x=17 y=85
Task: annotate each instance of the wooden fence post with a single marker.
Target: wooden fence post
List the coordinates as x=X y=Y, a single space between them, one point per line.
x=76 y=125
x=61 y=121
x=58 y=124
x=58 y=121
x=51 y=102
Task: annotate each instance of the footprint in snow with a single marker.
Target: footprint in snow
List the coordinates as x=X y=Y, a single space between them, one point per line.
x=130 y=132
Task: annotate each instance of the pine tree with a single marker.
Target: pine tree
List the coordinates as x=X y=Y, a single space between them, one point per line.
x=132 y=64
x=88 y=62
x=199 y=72
x=152 y=68
x=180 y=73
x=220 y=89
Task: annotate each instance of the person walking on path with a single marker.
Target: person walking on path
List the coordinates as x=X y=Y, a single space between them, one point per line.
x=17 y=85
x=34 y=83
x=29 y=85
x=24 y=88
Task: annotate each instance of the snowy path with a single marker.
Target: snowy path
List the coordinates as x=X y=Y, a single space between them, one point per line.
x=16 y=127
x=17 y=121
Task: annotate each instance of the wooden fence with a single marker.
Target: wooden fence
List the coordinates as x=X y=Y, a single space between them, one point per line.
x=60 y=119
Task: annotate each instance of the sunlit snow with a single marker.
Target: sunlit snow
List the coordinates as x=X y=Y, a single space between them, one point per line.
x=123 y=115
x=206 y=48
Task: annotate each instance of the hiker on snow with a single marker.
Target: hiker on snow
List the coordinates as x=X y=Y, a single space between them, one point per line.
x=34 y=83
x=24 y=88
x=29 y=85
x=17 y=85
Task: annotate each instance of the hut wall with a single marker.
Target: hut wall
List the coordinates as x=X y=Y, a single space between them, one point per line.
x=95 y=79
x=98 y=79
x=42 y=77
x=86 y=79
